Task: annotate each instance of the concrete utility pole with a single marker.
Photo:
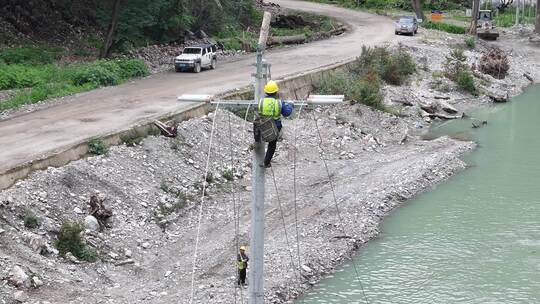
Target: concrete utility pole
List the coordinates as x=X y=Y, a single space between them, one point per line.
x=256 y=277
x=517 y=12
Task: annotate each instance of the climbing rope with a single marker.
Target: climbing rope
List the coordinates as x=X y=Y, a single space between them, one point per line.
x=194 y=266
x=294 y=183
x=321 y=151
x=236 y=212
x=285 y=227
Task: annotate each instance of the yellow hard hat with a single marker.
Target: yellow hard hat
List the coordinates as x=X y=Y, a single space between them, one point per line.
x=243 y=248
x=271 y=87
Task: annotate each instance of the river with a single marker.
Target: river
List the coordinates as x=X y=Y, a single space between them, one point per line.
x=473 y=239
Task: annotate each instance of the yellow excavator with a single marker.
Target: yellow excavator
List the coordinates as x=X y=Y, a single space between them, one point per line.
x=485 y=29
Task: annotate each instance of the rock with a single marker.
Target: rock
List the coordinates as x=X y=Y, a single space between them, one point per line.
x=125 y=262
x=128 y=253
x=168 y=273
x=70 y=257
x=145 y=245
x=38 y=244
x=447 y=107
x=91 y=223
x=36 y=282
x=429 y=107
x=499 y=97
x=20 y=296
x=2 y=231
x=18 y=277
x=77 y=210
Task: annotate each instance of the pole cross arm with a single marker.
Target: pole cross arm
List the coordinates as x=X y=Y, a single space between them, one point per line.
x=311 y=100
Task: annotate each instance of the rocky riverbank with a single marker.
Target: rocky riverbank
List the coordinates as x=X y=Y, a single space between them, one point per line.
x=145 y=251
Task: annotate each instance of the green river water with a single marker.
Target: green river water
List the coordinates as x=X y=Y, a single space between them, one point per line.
x=474 y=238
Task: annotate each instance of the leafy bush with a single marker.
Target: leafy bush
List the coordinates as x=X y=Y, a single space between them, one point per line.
x=393 y=67
x=470 y=42
x=456 y=62
x=97 y=147
x=69 y=240
x=32 y=55
x=457 y=70
x=95 y=74
x=445 y=27
x=130 y=68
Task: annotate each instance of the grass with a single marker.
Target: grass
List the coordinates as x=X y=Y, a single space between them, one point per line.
x=30 y=55
x=30 y=220
x=470 y=42
x=70 y=240
x=445 y=27
x=362 y=82
x=38 y=82
x=508 y=17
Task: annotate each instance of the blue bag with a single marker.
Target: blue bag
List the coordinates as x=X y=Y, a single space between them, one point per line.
x=287 y=108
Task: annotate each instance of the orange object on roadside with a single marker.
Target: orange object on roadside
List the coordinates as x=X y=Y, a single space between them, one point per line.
x=436 y=17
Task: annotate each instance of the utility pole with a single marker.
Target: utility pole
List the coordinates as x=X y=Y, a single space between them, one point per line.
x=256 y=277
x=256 y=271
x=517 y=12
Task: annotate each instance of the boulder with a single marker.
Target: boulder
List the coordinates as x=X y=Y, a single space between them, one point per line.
x=447 y=107
x=18 y=278
x=91 y=223
x=20 y=296
x=429 y=107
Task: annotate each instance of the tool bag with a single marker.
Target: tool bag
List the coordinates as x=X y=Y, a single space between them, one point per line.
x=267 y=127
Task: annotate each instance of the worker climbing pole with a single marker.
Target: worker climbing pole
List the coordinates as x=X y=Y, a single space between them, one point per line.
x=266 y=129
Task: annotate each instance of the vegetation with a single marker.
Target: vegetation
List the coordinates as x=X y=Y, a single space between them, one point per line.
x=30 y=220
x=70 y=240
x=470 y=42
x=37 y=82
x=97 y=147
x=445 y=27
x=457 y=70
x=363 y=81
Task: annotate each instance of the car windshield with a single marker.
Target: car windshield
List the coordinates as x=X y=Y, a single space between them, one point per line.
x=192 y=51
x=406 y=20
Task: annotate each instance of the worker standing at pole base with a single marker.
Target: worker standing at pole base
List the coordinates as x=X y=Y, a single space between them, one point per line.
x=242 y=266
x=271 y=107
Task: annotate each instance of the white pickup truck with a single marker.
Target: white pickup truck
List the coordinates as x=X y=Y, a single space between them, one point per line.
x=195 y=58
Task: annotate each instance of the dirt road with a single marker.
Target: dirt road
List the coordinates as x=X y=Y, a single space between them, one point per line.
x=29 y=136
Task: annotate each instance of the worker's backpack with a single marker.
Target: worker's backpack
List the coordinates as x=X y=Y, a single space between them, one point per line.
x=267 y=127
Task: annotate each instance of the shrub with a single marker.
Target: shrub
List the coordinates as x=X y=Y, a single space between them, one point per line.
x=130 y=68
x=470 y=42
x=69 y=240
x=97 y=147
x=456 y=62
x=495 y=63
x=30 y=220
x=228 y=175
x=97 y=74
x=393 y=67
x=445 y=27
x=465 y=81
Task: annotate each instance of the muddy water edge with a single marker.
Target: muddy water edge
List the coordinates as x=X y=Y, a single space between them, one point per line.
x=473 y=239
